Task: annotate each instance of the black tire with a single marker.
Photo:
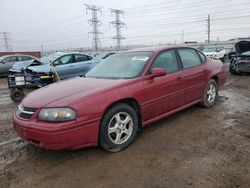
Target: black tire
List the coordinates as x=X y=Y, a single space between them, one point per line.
x=206 y=103
x=232 y=71
x=223 y=59
x=17 y=95
x=105 y=138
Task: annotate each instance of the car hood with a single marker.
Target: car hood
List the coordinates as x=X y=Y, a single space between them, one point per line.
x=45 y=68
x=65 y=92
x=242 y=46
x=22 y=65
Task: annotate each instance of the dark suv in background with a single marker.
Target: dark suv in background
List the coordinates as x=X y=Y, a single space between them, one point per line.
x=240 y=63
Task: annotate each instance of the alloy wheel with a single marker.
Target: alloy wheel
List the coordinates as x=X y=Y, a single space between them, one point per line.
x=120 y=128
x=211 y=93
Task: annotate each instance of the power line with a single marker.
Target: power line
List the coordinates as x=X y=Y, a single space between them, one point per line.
x=95 y=24
x=118 y=24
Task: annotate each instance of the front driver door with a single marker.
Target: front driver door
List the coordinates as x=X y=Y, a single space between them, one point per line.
x=7 y=63
x=64 y=66
x=165 y=93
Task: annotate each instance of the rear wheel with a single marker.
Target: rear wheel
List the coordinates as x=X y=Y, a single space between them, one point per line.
x=17 y=95
x=210 y=94
x=118 y=128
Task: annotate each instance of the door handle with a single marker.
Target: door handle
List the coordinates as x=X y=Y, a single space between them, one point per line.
x=205 y=70
x=71 y=66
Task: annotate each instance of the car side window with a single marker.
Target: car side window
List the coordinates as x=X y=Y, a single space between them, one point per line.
x=64 y=60
x=80 y=58
x=24 y=58
x=166 y=60
x=189 y=57
x=10 y=59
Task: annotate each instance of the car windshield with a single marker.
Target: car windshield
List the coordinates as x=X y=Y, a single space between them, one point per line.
x=246 y=53
x=121 y=66
x=100 y=55
x=50 y=58
x=103 y=55
x=209 y=50
x=1 y=58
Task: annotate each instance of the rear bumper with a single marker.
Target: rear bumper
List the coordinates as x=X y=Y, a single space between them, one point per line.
x=78 y=137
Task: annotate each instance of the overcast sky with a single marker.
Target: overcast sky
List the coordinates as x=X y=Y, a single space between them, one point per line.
x=63 y=23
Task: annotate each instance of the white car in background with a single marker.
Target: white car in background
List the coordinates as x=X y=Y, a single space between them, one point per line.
x=216 y=53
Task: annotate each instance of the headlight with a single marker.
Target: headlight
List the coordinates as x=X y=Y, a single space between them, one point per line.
x=57 y=114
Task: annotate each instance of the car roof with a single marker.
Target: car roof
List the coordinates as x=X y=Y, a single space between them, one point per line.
x=69 y=53
x=157 y=48
x=12 y=55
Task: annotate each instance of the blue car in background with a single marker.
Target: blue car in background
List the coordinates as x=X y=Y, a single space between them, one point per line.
x=67 y=65
x=41 y=72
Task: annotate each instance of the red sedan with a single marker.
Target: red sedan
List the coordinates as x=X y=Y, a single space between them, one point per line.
x=122 y=94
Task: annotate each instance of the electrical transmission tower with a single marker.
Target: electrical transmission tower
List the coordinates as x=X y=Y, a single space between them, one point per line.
x=95 y=24
x=208 y=28
x=118 y=24
x=6 y=39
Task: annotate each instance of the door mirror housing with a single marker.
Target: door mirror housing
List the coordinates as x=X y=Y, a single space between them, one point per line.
x=157 y=72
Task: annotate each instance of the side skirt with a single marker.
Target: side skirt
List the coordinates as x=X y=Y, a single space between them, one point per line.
x=170 y=113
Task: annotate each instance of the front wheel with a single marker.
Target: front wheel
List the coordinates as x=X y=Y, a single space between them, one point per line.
x=232 y=70
x=118 y=128
x=210 y=94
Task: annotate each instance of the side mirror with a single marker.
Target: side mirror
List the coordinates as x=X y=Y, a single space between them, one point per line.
x=157 y=72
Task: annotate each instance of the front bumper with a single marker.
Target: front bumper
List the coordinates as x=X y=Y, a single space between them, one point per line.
x=243 y=67
x=74 y=136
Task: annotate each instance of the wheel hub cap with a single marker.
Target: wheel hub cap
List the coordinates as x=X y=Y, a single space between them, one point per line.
x=120 y=128
x=211 y=93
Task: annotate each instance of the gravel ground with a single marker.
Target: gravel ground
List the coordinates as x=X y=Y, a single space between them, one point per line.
x=197 y=147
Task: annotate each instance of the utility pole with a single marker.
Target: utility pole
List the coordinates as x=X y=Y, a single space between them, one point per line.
x=183 y=37
x=117 y=24
x=95 y=23
x=6 y=40
x=208 y=29
x=42 y=49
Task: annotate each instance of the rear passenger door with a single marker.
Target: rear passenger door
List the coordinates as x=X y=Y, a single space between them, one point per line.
x=82 y=64
x=194 y=74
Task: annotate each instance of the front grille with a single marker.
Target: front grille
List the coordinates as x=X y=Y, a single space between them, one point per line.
x=244 y=67
x=25 y=112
